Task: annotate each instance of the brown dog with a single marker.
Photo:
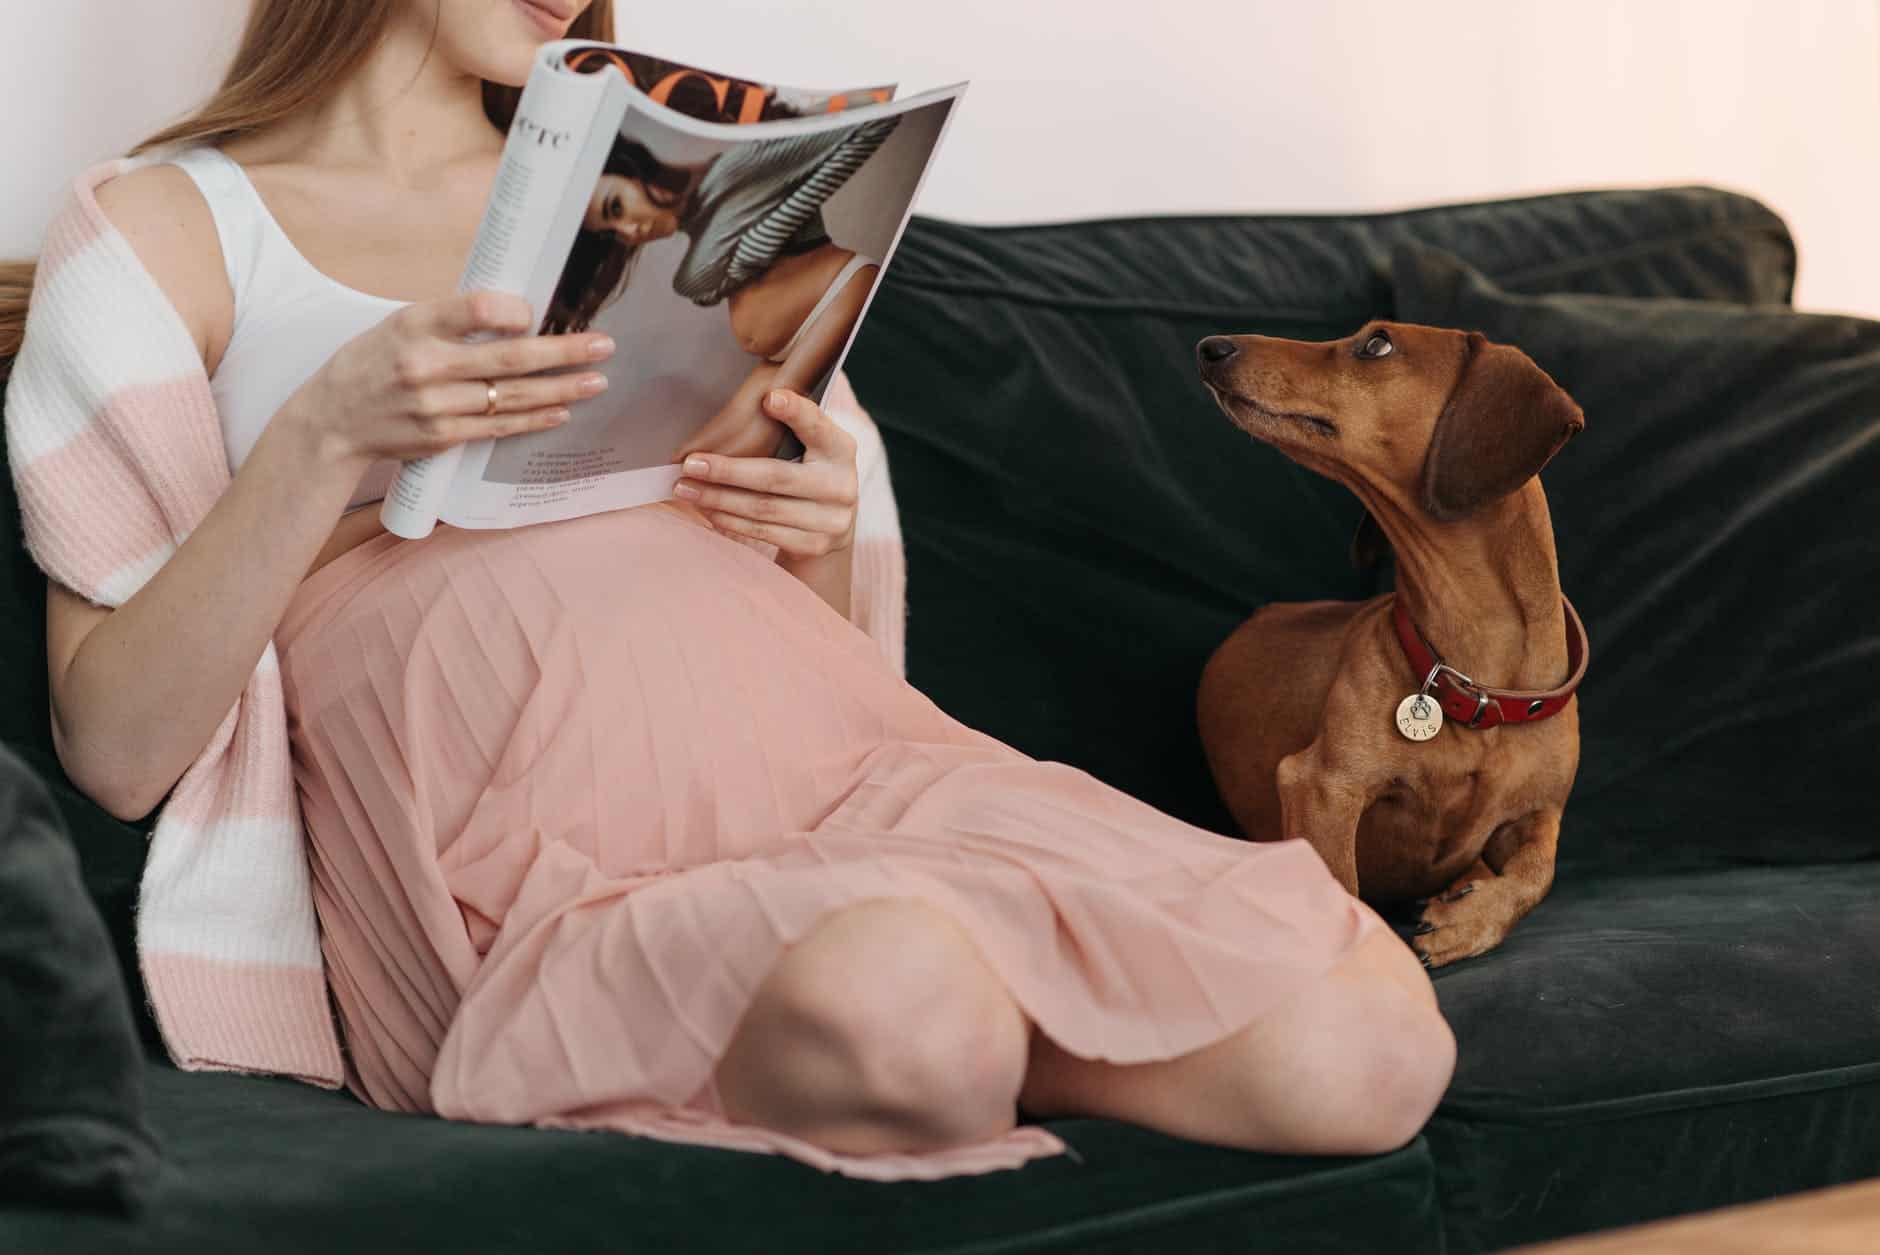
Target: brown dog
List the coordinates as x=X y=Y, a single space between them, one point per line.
x=1308 y=711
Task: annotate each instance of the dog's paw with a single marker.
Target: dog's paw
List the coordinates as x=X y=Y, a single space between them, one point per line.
x=1459 y=923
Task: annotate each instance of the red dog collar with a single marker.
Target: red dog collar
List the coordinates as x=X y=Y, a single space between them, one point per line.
x=1475 y=706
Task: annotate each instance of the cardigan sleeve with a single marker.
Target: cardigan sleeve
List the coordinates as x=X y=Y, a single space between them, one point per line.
x=878 y=596
x=116 y=450
x=112 y=436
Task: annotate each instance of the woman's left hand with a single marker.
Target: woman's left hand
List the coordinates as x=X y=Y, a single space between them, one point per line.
x=806 y=509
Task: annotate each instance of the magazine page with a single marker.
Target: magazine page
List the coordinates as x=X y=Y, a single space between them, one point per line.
x=562 y=126
x=713 y=97
x=724 y=260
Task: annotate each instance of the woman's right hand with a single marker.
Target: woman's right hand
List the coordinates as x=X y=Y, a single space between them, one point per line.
x=410 y=386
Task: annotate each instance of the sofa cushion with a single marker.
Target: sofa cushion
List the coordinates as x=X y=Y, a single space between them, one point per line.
x=306 y=1170
x=111 y=865
x=1715 y=528
x=71 y=1073
x=1083 y=525
x=1646 y=1044
x=25 y=717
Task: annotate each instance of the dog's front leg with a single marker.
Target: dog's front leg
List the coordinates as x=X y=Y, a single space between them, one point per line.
x=1514 y=873
x=1323 y=806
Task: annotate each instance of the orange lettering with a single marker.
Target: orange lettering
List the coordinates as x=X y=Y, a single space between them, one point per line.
x=662 y=90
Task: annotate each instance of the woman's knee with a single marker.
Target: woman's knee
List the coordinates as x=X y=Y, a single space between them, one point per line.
x=1396 y=1052
x=887 y=1011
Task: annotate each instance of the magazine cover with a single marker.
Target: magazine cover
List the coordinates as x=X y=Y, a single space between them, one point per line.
x=713 y=97
x=727 y=234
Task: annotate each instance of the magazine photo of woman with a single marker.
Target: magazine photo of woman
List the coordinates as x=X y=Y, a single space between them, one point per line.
x=611 y=822
x=757 y=243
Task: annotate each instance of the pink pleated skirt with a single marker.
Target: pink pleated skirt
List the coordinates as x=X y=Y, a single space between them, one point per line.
x=570 y=791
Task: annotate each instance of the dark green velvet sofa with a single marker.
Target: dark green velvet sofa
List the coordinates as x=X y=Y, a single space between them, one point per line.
x=1691 y=1019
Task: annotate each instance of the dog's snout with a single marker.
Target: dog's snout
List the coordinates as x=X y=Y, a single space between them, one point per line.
x=1216 y=349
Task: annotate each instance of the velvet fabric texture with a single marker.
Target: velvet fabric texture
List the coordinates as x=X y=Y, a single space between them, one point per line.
x=1090 y=526
x=1716 y=530
x=71 y=1074
x=369 y=1182
x=1644 y=1044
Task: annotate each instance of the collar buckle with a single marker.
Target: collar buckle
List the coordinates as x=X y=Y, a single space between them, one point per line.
x=1464 y=685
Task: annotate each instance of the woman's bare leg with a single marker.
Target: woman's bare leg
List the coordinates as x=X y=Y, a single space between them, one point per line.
x=1353 y=1064
x=884 y=1029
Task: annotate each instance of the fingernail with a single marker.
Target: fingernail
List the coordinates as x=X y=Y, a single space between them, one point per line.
x=685 y=490
x=590 y=384
x=600 y=346
x=696 y=465
x=558 y=416
x=775 y=399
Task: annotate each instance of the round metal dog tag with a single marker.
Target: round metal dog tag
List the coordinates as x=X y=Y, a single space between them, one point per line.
x=1419 y=717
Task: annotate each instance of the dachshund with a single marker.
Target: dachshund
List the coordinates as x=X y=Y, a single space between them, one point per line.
x=1374 y=730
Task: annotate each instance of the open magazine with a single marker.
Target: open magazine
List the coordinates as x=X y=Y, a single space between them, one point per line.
x=727 y=234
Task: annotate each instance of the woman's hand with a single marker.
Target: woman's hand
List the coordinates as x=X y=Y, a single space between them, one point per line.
x=740 y=428
x=411 y=385
x=806 y=509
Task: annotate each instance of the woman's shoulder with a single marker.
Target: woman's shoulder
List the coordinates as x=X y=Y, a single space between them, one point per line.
x=163 y=217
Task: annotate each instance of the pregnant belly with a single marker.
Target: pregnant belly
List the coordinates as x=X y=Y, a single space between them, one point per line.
x=631 y=672
x=371 y=591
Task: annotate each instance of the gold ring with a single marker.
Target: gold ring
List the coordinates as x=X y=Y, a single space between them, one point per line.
x=491 y=407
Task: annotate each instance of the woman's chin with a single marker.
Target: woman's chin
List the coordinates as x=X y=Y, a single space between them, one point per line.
x=506 y=56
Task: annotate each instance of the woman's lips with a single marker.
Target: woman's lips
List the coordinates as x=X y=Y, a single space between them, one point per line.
x=546 y=18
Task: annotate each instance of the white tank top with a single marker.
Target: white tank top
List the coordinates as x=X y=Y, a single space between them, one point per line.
x=289 y=316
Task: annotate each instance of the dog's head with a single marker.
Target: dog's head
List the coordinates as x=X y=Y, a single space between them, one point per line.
x=1441 y=421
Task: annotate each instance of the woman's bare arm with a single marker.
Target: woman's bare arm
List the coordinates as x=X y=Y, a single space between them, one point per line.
x=138 y=691
x=742 y=429
x=823 y=340
x=830 y=575
x=355 y=528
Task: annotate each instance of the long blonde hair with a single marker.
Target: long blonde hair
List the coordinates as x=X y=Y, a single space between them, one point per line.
x=291 y=51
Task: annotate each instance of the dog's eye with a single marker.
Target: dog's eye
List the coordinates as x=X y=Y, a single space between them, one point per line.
x=1378 y=345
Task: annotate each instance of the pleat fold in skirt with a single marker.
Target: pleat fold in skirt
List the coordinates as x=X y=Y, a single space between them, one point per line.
x=570 y=790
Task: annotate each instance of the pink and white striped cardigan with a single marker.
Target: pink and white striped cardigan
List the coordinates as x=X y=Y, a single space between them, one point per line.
x=117 y=453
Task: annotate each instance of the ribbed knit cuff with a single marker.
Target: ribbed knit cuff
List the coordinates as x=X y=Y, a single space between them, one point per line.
x=275 y=1019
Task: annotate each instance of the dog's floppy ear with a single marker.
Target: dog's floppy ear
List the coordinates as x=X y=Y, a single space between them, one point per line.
x=1505 y=419
x=1369 y=546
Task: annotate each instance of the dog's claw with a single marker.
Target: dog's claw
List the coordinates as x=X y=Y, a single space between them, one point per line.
x=1423 y=958
x=1422 y=928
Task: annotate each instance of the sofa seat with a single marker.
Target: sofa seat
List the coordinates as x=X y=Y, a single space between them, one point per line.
x=263 y=1163
x=1643 y=1045
x=1667 y=1031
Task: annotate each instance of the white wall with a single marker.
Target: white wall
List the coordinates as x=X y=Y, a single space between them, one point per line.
x=1088 y=107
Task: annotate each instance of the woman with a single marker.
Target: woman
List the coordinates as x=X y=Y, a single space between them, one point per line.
x=637 y=199
x=757 y=241
x=698 y=865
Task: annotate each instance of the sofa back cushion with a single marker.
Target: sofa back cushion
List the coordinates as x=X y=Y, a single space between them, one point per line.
x=25 y=715
x=1083 y=526
x=72 y=1128
x=1715 y=524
